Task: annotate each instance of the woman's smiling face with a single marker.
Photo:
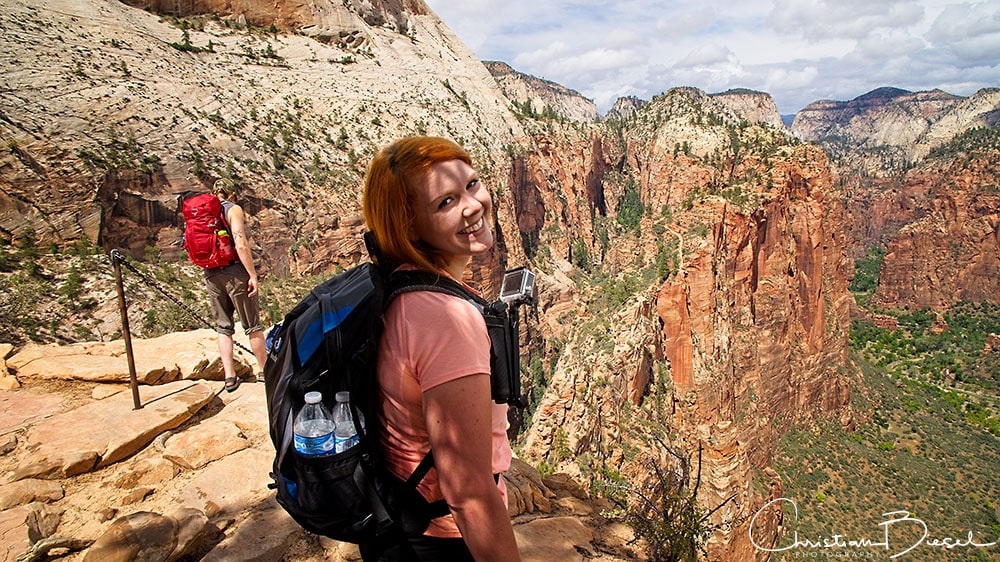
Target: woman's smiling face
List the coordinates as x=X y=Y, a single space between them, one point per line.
x=452 y=213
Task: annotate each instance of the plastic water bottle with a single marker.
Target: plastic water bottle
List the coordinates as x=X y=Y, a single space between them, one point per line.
x=347 y=435
x=313 y=428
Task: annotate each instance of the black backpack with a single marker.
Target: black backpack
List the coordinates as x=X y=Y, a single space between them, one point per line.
x=328 y=343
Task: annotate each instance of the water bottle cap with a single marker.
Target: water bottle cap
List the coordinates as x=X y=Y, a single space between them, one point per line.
x=314 y=397
x=343 y=396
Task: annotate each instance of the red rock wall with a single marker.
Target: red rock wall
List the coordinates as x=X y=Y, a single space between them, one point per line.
x=287 y=14
x=753 y=327
x=952 y=253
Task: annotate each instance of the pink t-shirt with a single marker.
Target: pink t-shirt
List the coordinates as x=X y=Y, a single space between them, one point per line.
x=431 y=338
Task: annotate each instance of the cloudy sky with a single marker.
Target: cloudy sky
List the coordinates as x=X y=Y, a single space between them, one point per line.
x=799 y=51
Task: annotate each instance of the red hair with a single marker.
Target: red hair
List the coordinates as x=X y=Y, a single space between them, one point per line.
x=390 y=195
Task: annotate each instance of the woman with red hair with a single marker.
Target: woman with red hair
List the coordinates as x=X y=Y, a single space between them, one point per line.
x=428 y=210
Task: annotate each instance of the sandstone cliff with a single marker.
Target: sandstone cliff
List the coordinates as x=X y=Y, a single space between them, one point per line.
x=745 y=332
x=951 y=251
x=541 y=97
x=756 y=107
x=328 y=21
x=885 y=131
x=140 y=112
x=624 y=108
x=881 y=125
x=918 y=172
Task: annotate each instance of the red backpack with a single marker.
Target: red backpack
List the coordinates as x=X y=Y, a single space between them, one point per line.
x=206 y=232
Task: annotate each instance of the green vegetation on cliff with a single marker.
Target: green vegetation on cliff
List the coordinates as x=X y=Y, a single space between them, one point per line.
x=951 y=351
x=52 y=295
x=971 y=142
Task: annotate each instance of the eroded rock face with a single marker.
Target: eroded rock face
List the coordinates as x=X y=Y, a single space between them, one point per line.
x=624 y=108
x=756 y=107
x=952 y=253
x=746 y=335
x=919 y=175
x=324 y=18
x=190 y=109
x=755 y=331
x=880 y=207
x=542 y=96
x=885 y=116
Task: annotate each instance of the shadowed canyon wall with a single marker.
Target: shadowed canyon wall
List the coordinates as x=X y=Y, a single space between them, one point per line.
x=919 y=173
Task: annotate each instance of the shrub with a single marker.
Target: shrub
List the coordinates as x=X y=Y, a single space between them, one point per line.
x=664 y=511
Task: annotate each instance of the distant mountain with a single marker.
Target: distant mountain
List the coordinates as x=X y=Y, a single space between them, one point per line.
x=879 y=131
x=624 y=108
x=885 y=93
x=920 y=168
x=540 y=97
x=754 y=106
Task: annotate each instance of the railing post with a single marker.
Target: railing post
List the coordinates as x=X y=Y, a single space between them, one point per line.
x=116 y=259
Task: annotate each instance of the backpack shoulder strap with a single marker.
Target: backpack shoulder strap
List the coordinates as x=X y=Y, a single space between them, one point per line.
x=226 y=205
x=417 y=280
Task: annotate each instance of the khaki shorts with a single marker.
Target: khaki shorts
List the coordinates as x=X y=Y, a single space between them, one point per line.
x=227 y=293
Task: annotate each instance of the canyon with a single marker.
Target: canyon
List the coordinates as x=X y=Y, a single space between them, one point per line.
x=920 y=185
x=693 y=254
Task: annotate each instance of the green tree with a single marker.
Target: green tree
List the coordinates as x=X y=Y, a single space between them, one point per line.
x=580 y=254
x=630 y=207
x=27 y=251
x=866 y=271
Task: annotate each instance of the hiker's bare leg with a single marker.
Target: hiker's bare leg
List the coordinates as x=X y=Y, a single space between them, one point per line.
x=259 y=350
x=226 y=354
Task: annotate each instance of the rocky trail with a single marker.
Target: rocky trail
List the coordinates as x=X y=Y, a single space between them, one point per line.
x=87 y=476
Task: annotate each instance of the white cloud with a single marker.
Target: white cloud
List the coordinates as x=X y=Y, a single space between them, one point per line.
x=959 y=21
x=855 y=19
x=970 y=33
x=709 y=55
x=777 y=79
x=593 y=61
x=685 y=23
x=799 y=51
x=886 y=46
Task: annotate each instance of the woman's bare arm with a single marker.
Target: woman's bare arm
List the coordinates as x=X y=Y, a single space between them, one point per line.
x=459 y=425
x=241 y=240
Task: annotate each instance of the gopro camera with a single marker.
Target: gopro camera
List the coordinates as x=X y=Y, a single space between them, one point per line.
x=518 y=286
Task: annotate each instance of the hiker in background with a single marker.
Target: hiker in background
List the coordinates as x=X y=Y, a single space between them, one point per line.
x=428 y=210
x=234 y=288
